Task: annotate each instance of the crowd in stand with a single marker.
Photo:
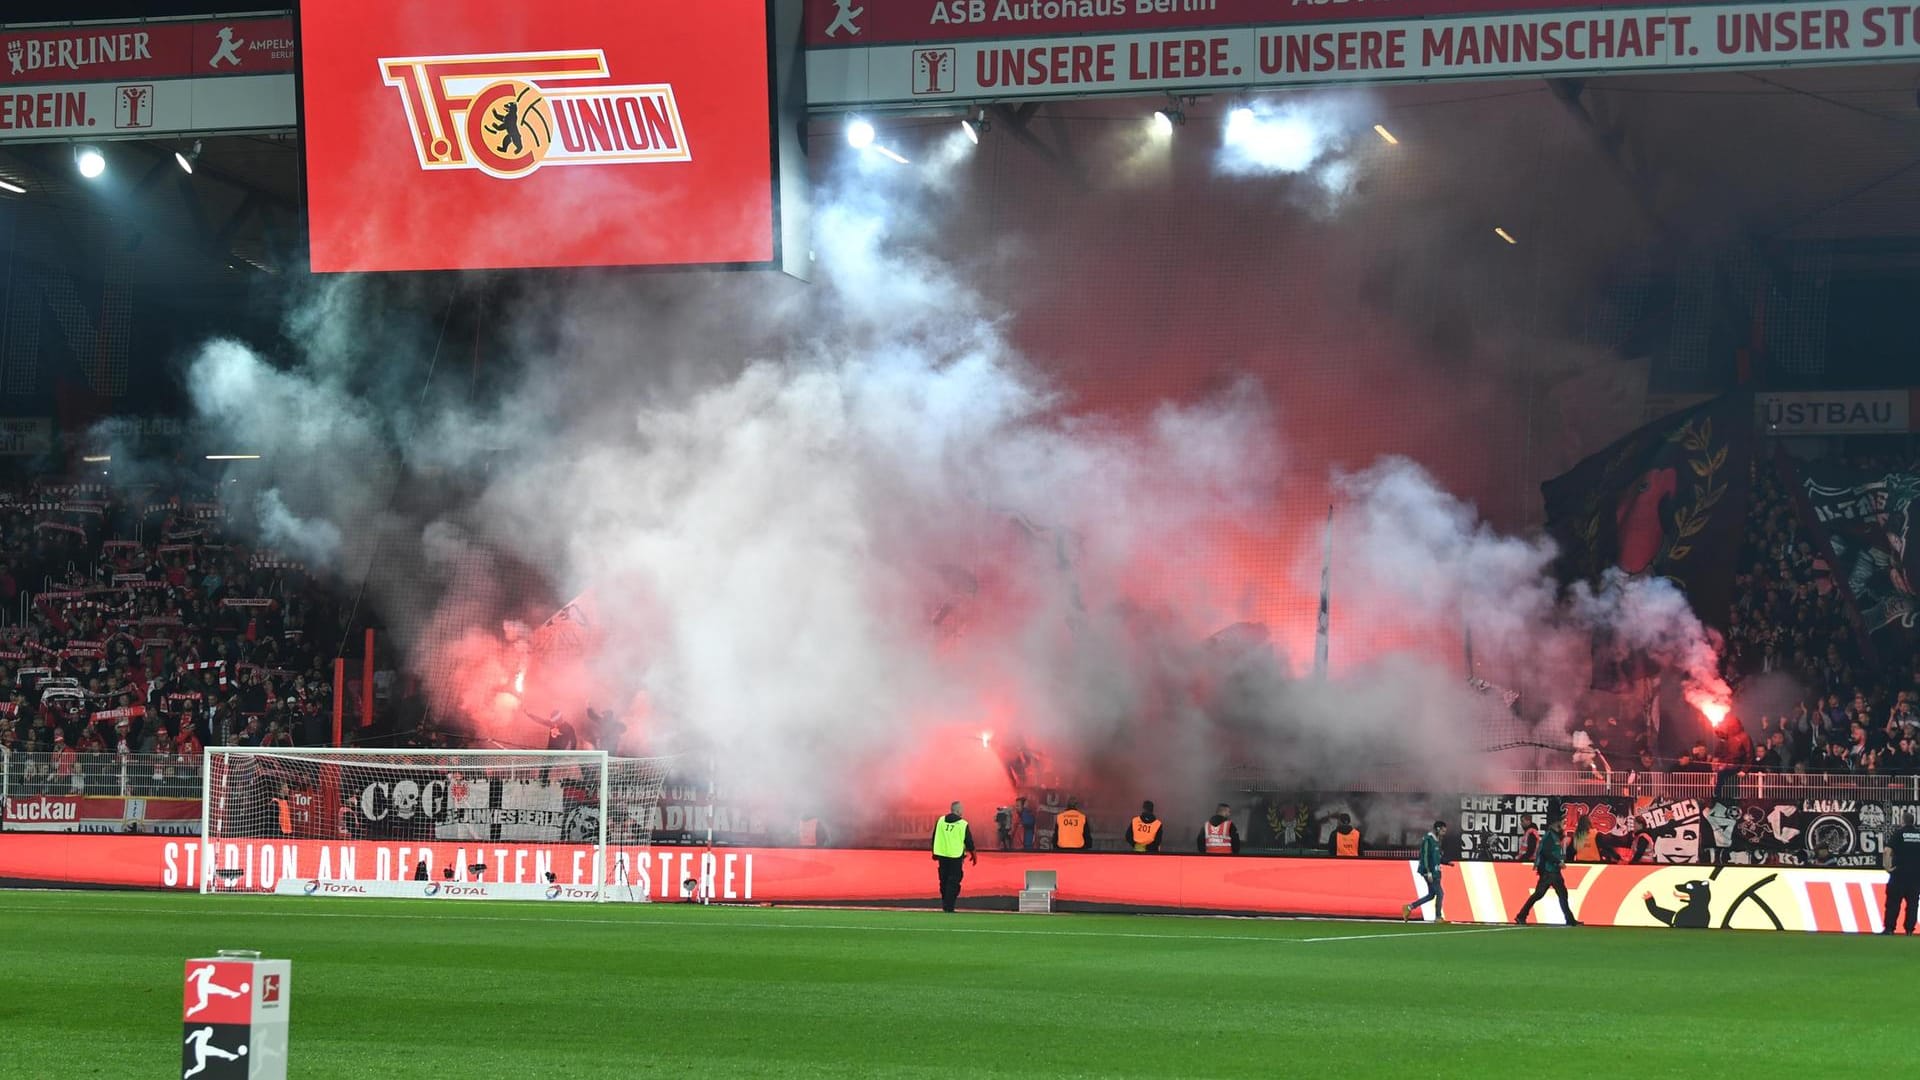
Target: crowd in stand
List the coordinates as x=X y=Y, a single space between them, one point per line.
x=1859 y=712
x=134 y=623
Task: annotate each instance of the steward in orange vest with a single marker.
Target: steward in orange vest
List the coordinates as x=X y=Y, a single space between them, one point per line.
x=1345 y=842
x=1144 y=830
x=1070 y=828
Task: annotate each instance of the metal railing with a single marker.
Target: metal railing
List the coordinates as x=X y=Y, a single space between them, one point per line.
x=1658 y=785
x=126 y=775
x=1706 y=785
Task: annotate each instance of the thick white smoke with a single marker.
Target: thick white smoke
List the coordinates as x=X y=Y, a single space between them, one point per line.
x=1419 y=558
x=1296 y=136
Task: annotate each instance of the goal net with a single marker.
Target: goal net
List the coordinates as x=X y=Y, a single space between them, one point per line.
x=464 y=824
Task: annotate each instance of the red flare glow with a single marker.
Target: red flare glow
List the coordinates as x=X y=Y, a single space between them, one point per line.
x=1713 y=708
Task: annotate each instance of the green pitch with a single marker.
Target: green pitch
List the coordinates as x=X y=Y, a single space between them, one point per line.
x=480 y=990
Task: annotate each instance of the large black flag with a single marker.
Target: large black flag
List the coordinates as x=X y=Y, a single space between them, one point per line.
x=1668 y=500
x=1865 y=523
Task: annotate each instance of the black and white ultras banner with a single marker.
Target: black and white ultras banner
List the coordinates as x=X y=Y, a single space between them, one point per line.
x=445 y=804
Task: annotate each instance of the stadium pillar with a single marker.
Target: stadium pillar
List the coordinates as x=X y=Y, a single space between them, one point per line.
x=339 y=695
x=366 y=684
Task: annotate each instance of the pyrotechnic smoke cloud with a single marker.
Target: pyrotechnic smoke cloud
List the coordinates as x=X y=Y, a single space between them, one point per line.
x=832 y=527
x=1416 y=554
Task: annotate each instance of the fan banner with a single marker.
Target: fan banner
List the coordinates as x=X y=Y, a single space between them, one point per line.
x=1864 y=521
x=101 y=814
x=1668 y=500
x=1784 y=831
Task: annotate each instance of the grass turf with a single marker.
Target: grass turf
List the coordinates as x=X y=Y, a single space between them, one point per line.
x=469 y=989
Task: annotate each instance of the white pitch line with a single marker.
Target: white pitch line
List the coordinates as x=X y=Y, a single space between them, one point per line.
x=1415 y=934
x=445 y=918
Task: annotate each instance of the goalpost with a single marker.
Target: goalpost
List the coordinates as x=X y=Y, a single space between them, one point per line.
x=457 y=824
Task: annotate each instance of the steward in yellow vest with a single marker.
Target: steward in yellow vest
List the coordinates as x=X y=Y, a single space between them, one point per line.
x=952 y=841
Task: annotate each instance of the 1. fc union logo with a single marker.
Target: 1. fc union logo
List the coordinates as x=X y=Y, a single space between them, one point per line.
x=507 y=114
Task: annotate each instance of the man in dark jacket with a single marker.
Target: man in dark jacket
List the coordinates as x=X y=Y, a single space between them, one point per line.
x=952 y=841
x=1901 y=857
x=1220 y=836
x=1548 y=862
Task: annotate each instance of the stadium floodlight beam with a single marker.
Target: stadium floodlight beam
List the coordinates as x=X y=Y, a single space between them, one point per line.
x=233 y=457
x=1504 y=235
x=860 y=133
x=90 y=161
x=1241 y=115
x=185 y=159
x=95 y=459
x=1381 y=130
x=1165 y=120
x=8 y=185
x=976 y=125
x=891 y=154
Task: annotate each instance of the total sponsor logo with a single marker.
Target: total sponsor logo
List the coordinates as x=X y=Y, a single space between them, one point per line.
x=569 y=892
x=456 y=892
x=509 y=114
x=333 y=888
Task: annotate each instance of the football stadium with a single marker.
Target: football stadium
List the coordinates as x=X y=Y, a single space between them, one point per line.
x=1177 y=538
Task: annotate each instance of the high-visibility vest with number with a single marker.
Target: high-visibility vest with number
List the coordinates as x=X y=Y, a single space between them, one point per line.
x=285 y=813
x=1346 y=844
x=950 y=838
x=1145 y=832
x=1218 y=840
x=1586 y=849
x=1070 y=829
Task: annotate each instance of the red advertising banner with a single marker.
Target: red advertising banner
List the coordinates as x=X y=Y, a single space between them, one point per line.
x=463 y=134
x=1682 y=897
x=122 y=52
x=1758 y=898
x=1114 y=48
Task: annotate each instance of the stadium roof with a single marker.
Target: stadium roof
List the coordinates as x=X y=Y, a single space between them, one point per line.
x=1698 y=160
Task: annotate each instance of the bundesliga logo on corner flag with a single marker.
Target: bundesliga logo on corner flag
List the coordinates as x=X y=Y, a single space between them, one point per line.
x=508 y=114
